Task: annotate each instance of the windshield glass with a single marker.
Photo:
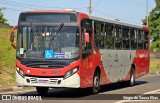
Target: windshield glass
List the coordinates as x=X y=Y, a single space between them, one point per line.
x=48 y=42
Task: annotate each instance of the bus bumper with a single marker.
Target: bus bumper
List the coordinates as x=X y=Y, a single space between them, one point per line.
x=70 y=82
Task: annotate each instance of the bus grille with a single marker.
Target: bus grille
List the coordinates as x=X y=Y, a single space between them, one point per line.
x=50 y=81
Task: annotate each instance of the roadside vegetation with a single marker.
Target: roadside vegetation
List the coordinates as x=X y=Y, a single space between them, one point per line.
x=154 y=24
x=7 y=58
x=154 y=66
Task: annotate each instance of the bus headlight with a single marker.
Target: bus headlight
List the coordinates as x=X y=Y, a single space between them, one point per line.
x=21 y=72
x=71 y=72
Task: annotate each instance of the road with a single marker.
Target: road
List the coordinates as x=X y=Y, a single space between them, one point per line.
x=112 y=93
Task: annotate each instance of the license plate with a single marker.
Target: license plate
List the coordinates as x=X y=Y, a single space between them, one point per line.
x=43 y=81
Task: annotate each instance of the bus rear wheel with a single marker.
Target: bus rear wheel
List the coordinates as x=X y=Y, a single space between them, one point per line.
x=42 y=90
x=96 y=83
x=131 y=82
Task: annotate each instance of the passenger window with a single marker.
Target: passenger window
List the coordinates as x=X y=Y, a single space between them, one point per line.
x=118 y=37
x=99 y=34
x=109 y=36
x=140 y=39
x=108 y=29
x=140 y=44
x=86 y=26
x=109 y=42
x=118 y=43
x=134 y=39
x=146 y=43
x=126 y=39
x=125 y=32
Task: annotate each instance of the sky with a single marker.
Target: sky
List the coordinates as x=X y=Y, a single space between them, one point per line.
x=132 y=11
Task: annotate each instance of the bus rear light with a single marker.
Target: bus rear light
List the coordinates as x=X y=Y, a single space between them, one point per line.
x=71 y=72
x=20 y=71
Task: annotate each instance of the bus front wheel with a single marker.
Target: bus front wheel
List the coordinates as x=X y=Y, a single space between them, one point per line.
x=42 y=90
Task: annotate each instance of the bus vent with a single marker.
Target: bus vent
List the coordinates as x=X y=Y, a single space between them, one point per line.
x=49 y=81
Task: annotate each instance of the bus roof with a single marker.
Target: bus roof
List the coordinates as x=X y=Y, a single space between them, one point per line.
x=118 y=22
x=94 y=18
x=50 y=11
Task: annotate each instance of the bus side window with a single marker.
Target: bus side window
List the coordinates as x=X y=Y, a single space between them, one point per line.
x=86 y=26
x=146 y=34
x=118 y=37
x=140 y=39
x=108 y=39
x=126 y=39
x=99 y=34
x=134 y=39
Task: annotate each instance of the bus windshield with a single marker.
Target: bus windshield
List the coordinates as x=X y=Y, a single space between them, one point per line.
x=48 y=42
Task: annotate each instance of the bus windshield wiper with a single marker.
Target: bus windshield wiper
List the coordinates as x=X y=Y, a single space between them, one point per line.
x=60 y=27
x=57 y=31
x=32 y=28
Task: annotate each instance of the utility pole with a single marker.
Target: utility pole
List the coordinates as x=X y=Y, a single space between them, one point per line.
x=147 y=12
x=90 y=7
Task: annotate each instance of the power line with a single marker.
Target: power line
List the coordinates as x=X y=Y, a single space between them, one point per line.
x=114 y=16
x=96 y=4
x=104 y=13
x=39 y=6
x=135 y=2
x=15 y=5
x=12 y=9
x=27 y=4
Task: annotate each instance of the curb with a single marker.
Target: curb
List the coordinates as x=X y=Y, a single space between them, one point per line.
x=13 y=88
x=156 y=73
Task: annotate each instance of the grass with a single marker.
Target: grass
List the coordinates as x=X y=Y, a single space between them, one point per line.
x=154 y=65
x=8 y=58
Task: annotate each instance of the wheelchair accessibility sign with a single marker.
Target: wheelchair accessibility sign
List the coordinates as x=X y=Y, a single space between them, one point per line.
x=49 y=54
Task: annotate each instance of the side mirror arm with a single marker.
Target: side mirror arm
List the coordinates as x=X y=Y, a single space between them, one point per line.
x=12 y=37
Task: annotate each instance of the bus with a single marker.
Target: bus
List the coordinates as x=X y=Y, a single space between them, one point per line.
x=69 y=49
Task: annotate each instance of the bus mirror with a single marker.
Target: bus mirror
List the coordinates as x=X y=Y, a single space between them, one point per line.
x=87 y=37
x=12 y=37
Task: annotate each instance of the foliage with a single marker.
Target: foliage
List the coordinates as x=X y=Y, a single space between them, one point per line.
x=156 y=46
x=7 y=58
x=154 y=24
x=2 y=19
x=154 y=65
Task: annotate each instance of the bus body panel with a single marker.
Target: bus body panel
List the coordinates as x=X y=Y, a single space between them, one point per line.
x=117 y=63
x=43 y=72
x=71 y=82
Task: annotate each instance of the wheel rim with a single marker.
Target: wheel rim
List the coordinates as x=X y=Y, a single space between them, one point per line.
x=132 y=79
x=96 y=84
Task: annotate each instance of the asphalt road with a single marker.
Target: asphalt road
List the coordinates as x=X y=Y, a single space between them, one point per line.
x=113 y=93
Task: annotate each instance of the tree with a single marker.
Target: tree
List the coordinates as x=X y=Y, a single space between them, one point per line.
x=2 y=19
x=154 y=24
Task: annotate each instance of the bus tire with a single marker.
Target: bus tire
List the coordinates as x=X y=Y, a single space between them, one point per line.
x=42 y=90
x=96 y=83
x=131 y=82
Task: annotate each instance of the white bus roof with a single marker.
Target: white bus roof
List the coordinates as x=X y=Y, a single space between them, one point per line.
x=116 y=22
